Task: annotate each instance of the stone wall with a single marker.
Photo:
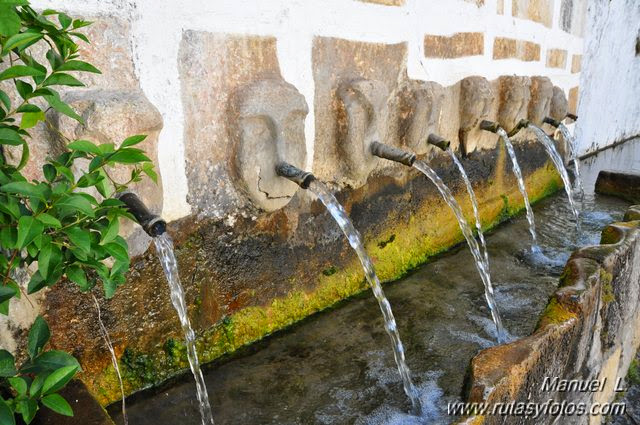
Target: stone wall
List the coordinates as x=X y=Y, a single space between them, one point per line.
x=590 y=330
x=226 y=90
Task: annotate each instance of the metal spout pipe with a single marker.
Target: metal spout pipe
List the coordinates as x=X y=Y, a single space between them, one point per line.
x=296 y=175
x=523 y=123
x=392 y=153
x=489 y=126
x=551 y=122
x=152 y=224
x=438 y=141
x=572 y=116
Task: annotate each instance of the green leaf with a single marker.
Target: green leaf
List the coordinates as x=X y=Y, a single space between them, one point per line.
x=24 y=158
x=51 y=360
x=58 y=379
x=24 y=188
x=77 y=203
x=64 y=20
x=80 y=238
x=4 y=98
x=133 y=140
x=90 y=179
x=20 y=71
x=48 y=220
x=81 y=36
x=128 y=156
x=56 y=103
x=62 y=79
x=39 y=335
x=6 y=293
x=109 y=287
x=19 y=40
x=148 y=169
x=31 y=119
x=8 y=237
x=79 y=23
x=7 y=364
x=28 y=408
x=24 y=89
x=49 y=172
x=111 y=232
x=36 y=282
x=4 y=307
x=77 y=65
x=28 y=108
x=49 y=258
x=6 y=414
x=36 y=385
x=9 y=136
x=84 y=146
x=28 y=229
x=9 y=24
x=58 y=404
x=18 y=384
x=77 y=275
x=117 y=251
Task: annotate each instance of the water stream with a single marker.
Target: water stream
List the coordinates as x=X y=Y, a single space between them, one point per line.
x=571 y=142
x=114 y=359
x=164 y=247
x=474 y=205
x=523 y=190
x=550 y=147
x=471 y=241
x=340 y=216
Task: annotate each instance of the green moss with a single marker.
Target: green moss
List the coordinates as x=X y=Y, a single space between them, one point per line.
x=330 y=271
x=386 y=242
x=633 y=377
x=606 y=279
x=555 y=313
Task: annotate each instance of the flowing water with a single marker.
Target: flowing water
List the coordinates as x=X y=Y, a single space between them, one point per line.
x=518 y=173
x=336 y=367
x=164 y=247
x=474 y=205
x=114 y=359
x=471 y=241
x=550 y=147
x=341 y=217
x=573 y=152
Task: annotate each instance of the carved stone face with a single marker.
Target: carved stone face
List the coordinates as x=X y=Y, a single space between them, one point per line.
x=540 y=104
x=365 y=121
x=421 y=107
x=475 y=101
x=267 y=127
x=559 y=104
x=514 y=100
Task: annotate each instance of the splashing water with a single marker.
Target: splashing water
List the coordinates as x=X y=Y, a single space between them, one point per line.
x=114 y=359
x=340 y=216
x=164 y=247
x=550 y=147
x=523 y=190
x=571 y=142
x=474 y=205
x=471 y=241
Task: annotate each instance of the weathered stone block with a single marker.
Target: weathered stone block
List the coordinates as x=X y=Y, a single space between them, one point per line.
x=556 y=58
x=559 y=104
x=574 y=94
x=456 y=46
x=515 y=94
x=418 y=113
x=535 y=10
x=509 y=48
x=576 y=63
x=572 y=16
x=336 y=64
x=212 y=68
x=500 y=7
x=267 y=127
x=110 y=117
x=476 y=103
x=623 y=185
x=540 y=104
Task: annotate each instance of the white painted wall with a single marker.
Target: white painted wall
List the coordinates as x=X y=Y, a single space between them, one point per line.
x=609 y=105
x=158 y=26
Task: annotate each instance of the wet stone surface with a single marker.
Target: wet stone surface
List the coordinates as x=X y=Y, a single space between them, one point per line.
x=336 y=367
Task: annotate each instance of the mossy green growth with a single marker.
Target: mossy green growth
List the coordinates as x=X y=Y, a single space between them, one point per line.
x=606 y=280
x=408 y=244
x=633 y=377
x=555 y=313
